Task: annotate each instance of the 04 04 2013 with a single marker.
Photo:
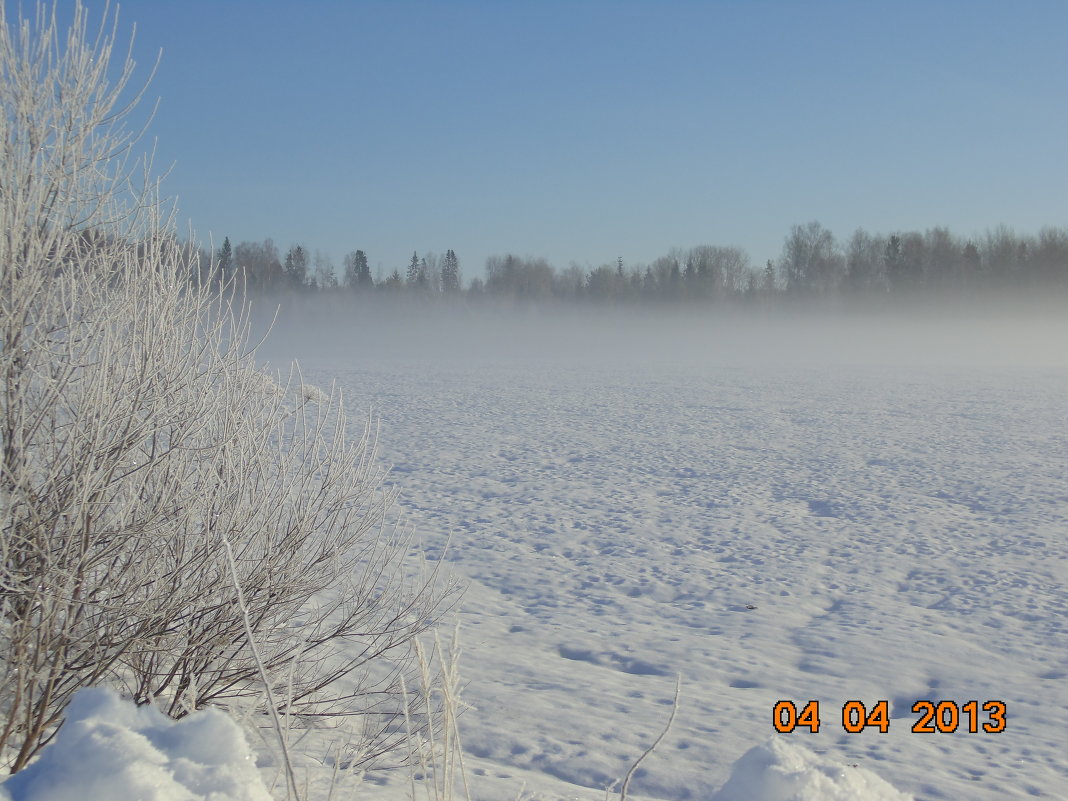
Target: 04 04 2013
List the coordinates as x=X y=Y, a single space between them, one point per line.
x=934 y=717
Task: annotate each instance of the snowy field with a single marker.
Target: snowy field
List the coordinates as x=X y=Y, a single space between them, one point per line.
x=776 y=513
x=866 y=522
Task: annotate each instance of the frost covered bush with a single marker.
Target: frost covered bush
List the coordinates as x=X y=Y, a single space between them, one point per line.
x=140 y=443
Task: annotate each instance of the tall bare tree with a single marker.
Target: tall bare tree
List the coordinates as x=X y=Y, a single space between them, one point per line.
x=811 y=261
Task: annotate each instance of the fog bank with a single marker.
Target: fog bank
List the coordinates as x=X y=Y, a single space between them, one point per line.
x=325 y=331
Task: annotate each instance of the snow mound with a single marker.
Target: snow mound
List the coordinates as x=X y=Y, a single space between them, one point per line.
x=111 y=749
x=780 y=771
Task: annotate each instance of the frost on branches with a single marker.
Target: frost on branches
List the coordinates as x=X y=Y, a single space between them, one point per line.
x=138 y=446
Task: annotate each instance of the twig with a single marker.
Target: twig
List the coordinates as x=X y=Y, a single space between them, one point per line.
x=291 y=777
x=656 y=742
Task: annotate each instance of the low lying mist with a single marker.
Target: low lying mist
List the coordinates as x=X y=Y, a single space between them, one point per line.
x=323 y=332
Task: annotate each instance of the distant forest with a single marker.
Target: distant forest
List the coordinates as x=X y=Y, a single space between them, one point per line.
x=813 y=264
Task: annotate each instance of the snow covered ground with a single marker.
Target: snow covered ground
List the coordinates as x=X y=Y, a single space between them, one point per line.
x=863 y=524
x=110 y=749
x=881 y=526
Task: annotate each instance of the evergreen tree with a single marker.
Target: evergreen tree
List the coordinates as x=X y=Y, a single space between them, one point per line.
x=769 y=277
x=450 y=273
x=363 y=277
x=226 y=257
x=412 y=277
x=296 y=267
x=393 y=281
x=358 y=271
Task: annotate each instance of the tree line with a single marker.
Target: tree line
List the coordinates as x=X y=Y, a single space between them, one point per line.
x=813 y=263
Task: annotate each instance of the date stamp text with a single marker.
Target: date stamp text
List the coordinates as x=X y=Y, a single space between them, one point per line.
x=933 y=717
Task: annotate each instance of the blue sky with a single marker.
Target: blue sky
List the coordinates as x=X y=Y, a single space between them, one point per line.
x=590 y=130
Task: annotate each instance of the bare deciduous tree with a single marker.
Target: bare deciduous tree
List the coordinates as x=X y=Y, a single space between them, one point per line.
x=811 y=261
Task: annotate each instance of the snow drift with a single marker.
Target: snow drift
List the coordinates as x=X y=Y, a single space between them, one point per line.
x=780 y=771
x=111 y=749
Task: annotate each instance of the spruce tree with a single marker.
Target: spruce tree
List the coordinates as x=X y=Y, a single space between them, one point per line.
x=412 y=277
x=450 y=273
x=296 y=267
x=357 y=271
x=226 y=257
x=363 y=275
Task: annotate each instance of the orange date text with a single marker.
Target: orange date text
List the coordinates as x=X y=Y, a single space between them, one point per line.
x=934 y=717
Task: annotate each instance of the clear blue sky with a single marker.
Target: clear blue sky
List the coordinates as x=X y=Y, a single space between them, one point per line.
x=590 y=130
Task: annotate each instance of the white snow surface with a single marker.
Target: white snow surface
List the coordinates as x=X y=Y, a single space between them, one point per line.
x=110 y=749
x=771 y=529
x=868 y=523
x=780 y=771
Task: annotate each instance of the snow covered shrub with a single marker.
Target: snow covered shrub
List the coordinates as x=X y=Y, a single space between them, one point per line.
x=140 y=443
